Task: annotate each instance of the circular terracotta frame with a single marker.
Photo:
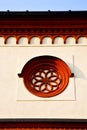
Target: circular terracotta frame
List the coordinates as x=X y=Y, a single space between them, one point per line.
x=46 y=76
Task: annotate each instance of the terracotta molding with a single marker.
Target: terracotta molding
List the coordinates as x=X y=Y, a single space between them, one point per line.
x=42 y=36
x=41 y=24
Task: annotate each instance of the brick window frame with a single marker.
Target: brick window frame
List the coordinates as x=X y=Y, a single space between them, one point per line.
x=46 y=76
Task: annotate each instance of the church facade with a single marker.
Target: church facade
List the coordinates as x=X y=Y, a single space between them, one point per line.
x=43 y=66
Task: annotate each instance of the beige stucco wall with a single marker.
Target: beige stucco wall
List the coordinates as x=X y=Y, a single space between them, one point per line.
x=17 y=102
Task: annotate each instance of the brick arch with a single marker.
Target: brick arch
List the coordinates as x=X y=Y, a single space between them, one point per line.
x=46 y=36
x=55 y=37
x=7 y=37
x=70 y=38
x=81 y=37
x=19 y=37
x=34 y=36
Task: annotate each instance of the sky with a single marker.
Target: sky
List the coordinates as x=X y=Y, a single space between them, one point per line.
x=43 y=5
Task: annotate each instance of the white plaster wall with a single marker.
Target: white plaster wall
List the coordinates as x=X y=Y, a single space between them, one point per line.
x=12 y=60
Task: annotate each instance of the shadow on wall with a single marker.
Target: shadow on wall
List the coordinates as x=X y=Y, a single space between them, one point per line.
x=77 y=72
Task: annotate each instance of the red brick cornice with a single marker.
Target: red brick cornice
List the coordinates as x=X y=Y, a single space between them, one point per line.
x=43 y=24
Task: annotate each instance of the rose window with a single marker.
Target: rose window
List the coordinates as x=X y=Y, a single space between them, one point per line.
x=46 y=80
x=46 y=76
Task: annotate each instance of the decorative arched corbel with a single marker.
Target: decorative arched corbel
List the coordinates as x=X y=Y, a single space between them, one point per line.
x=20 y=36
x=54 y=37
x=6 y=37
x=64 y=38
x=29 y=38
x=76 y=38
x=32 y=36
x=41 y=38
x=83 y=36
x=17 y=39
x=44 y=36
x=53 y=40
x=70 y=36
